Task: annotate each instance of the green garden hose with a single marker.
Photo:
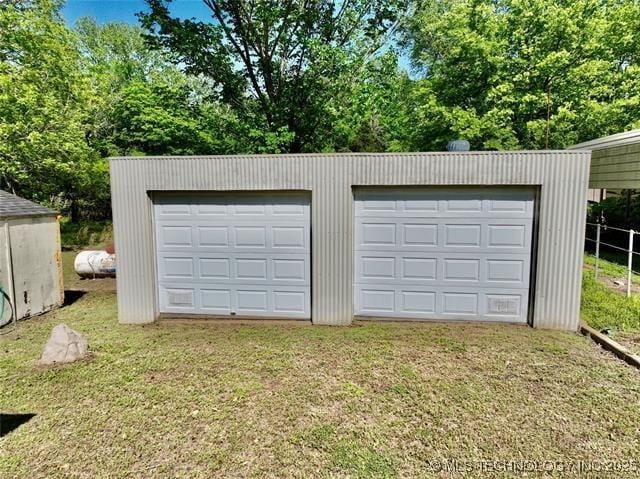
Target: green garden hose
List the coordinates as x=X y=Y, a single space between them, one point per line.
x=5 y=300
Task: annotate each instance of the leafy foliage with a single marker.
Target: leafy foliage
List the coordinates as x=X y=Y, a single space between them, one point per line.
x=524 y=73
x=42 y=119
x=281 y=62
x=266 y=76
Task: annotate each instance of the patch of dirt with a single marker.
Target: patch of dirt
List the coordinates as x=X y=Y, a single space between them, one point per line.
x=621 y=286
x=610 y=282
x=93 y=285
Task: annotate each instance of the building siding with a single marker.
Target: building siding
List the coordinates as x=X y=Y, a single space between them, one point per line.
x=615 y=161
x=562 y=177
x=31 y=264
x=616 y=167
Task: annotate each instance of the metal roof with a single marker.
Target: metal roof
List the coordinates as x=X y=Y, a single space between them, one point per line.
x=14 y=206
x=619 y=139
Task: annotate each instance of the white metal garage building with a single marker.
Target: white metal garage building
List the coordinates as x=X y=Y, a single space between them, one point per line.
x=476 y=236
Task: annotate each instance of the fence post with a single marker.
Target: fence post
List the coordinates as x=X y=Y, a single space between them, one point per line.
x=630 y=263
x=597 y=247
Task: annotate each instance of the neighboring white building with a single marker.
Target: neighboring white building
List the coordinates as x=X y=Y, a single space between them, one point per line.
x=30 y=257
x=615 y=164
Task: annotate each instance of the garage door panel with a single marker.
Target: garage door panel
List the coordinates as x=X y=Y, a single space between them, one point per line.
x=252 y=301
x=505 y=305
x=250 y=236
x=377 y=267
x=504 y=235
x=177 y=298
x=456 y=269
x=177 y=268
x=206 y=210
x=244 y=255
x=462 y=235
x=289 y=237
x=418 y=235
x=470 y=205
x=289 y=210
x=213 y=236
x=216 y=301
x=254 y=269
x=459 y=269
x=176 y=236
x=440 y=302
x=413 y=268
x=505 y=270
x=444 y=202
x=283 y=269
x=290 y=269
x=417 y=302
x=289 y=301
x=214 y=268
x=170 y=210
x=443 y=253
x=458 y=303
x=376 y=300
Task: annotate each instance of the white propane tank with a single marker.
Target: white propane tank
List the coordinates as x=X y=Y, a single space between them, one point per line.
x=95 y=264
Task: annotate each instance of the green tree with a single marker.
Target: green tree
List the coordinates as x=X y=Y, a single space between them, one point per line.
x=43 y=150
x=113 y=56
x=161 y=118
x=279 y=64
x=145 y=104
x=371 y=113
x=523 y=73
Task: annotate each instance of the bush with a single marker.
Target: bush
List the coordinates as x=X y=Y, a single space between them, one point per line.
x=85 y=233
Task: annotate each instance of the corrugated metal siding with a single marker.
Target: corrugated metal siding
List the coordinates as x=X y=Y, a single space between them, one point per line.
x=562 y=176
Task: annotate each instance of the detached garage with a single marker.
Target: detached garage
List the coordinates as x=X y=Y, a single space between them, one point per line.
x=472 y=236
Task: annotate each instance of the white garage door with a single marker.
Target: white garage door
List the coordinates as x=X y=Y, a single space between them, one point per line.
x=236 y=254
x=443 y=253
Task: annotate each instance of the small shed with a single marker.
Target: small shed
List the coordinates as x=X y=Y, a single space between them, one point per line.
x=30 y=257
x=455 y=236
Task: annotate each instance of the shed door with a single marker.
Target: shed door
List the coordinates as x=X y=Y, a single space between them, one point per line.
x=443 y=253
x=237 y=254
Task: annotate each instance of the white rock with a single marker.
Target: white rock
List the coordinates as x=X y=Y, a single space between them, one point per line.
x=64 y=346
x=617 y=282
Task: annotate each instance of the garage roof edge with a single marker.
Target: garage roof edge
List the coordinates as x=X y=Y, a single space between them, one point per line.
x=572 y=151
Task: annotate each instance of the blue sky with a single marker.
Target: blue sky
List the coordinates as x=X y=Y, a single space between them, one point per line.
x=125 y=10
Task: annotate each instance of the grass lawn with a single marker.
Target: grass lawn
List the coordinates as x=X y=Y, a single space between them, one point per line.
x=605 y=305
x=197 y=399
x=85 y=233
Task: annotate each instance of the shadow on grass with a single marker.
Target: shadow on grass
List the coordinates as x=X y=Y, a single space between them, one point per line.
x=71 y=296
x=9 y=422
